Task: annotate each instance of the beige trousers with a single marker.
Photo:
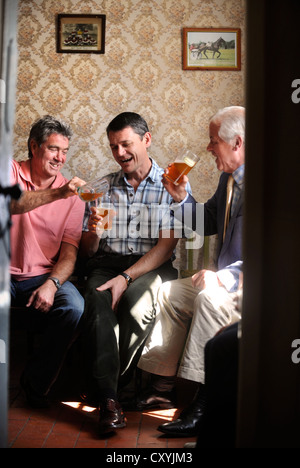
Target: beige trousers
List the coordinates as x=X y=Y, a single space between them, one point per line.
x=186 y=319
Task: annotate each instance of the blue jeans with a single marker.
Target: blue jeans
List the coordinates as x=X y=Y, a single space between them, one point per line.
x=59 y=328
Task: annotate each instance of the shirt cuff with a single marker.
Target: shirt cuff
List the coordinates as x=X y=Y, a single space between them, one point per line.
x=229 y=279
x=174 y=205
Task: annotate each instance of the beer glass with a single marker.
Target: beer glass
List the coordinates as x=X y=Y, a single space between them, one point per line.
x=107 y=214
x=181 y=166
x=93 y=190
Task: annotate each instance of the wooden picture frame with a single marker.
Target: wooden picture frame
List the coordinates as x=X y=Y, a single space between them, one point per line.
x=84 y=34
x=212 y=49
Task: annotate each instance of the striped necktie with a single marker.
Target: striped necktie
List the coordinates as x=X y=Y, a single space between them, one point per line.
x=228 y=203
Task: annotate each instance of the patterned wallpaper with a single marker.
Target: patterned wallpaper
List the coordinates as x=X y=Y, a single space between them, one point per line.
x=141 y=71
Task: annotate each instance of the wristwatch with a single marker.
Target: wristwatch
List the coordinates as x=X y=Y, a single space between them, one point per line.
x=127 y=277
x=55 y=281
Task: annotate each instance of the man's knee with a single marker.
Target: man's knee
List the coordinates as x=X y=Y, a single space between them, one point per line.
x=212 y=298
x=203 y=299
x=169 y=291
x=213 y=305
x=140 y=310
x=70 y=299
x=76 y=307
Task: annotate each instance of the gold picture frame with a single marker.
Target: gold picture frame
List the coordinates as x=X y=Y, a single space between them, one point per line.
x=212 y=49
x=84 y=34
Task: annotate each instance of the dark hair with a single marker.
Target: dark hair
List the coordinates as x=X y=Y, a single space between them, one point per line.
x=128 y=119
x=44 y=127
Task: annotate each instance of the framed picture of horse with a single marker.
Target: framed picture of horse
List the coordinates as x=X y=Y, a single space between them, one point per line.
x=81 y=33
x=211 y=49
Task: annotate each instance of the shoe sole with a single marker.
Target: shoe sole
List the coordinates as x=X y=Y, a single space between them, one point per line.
x=158 y=407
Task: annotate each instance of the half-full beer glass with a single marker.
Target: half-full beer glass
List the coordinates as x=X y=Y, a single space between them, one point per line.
x=181 y=166
x=108 y=215
x=93 y=190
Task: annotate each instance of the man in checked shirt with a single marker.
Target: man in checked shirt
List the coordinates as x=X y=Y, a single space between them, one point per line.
x=126 y=266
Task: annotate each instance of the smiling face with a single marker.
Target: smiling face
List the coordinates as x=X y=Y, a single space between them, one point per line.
x=48 y=158
x=130 y=151
x=229 y=156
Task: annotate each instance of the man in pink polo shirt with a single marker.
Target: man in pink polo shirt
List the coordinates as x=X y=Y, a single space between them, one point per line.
x=45 y=235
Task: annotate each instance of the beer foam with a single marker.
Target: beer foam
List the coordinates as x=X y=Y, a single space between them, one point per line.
x=189 y=162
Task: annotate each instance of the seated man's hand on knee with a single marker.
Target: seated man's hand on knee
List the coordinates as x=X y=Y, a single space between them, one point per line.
x=205 y=279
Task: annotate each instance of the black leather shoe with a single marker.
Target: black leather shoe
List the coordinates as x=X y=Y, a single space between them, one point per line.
x=152 y=399
x=111 y=416
x=34 y=399
x=187 y=427
x=189 y=421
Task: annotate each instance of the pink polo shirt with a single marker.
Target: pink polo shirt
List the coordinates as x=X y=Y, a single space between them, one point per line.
x=36 y=236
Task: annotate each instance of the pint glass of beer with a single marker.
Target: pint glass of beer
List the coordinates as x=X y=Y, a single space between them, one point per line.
x=181 y=166
x=107 y=214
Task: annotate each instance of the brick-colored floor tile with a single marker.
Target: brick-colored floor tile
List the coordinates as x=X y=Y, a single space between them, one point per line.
x=14 y=430
x=179 y=442
x=28 y=442
x=19 y=413
x=88 y=431
x=60 y=441
x=90 y=443
x=152 y=445
x=61 y=427
x=73 y=425
x=122 y=442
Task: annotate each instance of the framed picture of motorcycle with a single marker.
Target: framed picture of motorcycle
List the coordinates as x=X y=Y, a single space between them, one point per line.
x=211 y=49
x=81 y=33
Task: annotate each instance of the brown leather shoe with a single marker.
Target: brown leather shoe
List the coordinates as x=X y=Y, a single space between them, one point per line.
x=111 y=416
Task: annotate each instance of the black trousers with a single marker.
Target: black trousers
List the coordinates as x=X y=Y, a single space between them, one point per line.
x=113 y=340
x=221 y=374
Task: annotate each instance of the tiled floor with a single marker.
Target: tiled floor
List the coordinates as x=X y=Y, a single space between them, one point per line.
x=71 y=424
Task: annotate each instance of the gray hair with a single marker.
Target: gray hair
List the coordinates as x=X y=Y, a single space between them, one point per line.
x=231 y=121
x=44 y=127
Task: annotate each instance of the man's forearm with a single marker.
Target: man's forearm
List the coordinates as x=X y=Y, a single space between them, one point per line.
x=89 y=244
x=66 y=263
x=30 y=200
x=190 y=213
x=153 y=259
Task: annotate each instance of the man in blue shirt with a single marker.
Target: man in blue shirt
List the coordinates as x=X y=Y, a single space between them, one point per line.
x=126 y=265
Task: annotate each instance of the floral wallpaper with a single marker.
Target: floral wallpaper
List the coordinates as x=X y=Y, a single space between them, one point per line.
x=141 y=71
